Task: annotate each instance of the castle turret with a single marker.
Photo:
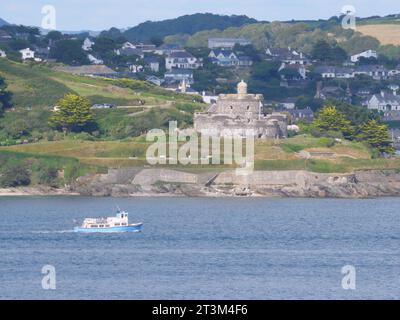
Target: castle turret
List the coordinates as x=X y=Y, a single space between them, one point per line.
x=242 y=88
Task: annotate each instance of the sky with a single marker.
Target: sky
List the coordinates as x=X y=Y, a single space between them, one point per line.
x=96 y=15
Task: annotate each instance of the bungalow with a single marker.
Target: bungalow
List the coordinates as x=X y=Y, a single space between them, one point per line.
x=375 y=71
x=227 y=43
x=384 y=102
x=27 y=54
x=179 y=75
x=366 y=54
x=182 y=60
x=3 y=54
x=328 y=72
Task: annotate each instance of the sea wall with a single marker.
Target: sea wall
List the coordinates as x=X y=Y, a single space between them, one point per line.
x=166 y=182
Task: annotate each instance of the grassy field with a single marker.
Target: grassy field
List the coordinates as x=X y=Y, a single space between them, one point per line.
x=269 y=155
x=385 y=33
x=40 y=86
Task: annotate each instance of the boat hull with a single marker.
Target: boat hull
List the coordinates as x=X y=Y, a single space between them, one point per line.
x=131 y=228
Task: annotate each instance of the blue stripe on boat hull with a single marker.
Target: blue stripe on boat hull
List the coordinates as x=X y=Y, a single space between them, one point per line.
x=135 y=228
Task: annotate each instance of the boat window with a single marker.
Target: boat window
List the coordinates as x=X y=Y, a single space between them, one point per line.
x=101 y=226
x=123 y=224
x=117 y=224
x=94 y=226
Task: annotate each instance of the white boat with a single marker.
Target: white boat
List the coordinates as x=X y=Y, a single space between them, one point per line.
x=117 y=224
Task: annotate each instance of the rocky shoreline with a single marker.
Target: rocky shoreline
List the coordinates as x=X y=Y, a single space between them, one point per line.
x=167 y=183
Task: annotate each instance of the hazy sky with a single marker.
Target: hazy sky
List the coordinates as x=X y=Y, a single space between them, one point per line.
x=103 y=14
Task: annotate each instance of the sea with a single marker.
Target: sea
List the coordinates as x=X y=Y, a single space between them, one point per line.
x=201 y=248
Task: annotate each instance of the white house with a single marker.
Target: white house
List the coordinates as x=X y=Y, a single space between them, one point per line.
x=384 y=102
x=182 y=60
x=27 y=54
x=2 y=54
x=366 y=54
x=94 y=60
x=87 y=44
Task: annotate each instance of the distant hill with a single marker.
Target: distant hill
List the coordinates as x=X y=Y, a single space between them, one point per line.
x=3 y=22
x=188 y=24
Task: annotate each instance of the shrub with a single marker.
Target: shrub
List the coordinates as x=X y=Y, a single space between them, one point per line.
x=14 y=175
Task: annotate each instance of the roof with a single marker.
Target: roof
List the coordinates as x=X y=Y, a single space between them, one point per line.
x=131 y=51
x=180 y=54
x=151 y=60
x=387 y=98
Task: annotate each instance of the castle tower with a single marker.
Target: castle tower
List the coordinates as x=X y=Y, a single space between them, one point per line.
x=242 y=89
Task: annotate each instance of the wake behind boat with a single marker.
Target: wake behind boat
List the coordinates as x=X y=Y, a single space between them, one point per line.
x=117 y=224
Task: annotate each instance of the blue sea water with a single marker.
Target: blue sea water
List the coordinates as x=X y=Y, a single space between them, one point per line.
x=202 y=249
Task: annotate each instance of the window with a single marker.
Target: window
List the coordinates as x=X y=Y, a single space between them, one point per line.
x=94 y=226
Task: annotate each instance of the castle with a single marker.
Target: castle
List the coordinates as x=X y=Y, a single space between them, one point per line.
x=239 y=113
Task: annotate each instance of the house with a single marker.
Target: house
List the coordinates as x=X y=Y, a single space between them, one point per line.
x=87 y=44
x=136 y=68
x=287 y=55
x=140 y=46
x=305 y=115
x=130 y=52
x=153 y=64
x=27 y=54
x=182 y=60
x=3 y=54
x=384 y=102
x=227 y=43
x=328 y=72
x=366 y=54
x=154 y=80
x=178 y=75
x=375 y=71
x=168 y=48
x=227 y=58
x=94 y=60
x=334 y=92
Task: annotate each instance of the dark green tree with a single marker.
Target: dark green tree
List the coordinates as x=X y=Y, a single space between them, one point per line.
x=69 y=52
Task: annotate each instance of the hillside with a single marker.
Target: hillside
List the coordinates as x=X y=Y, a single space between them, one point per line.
x=385 y=33
x=40 y=86
x=3 y=22
x=188 y=24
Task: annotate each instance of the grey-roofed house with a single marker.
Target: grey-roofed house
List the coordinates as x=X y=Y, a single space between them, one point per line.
x=384 y=102
x=297 y=115
x=153 y=63
x=130 y=52
x=179 y=75
x=182 y=60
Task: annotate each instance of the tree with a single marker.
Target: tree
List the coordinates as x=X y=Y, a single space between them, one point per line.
x=5 y=96
x=377 y=136
x=69 y=52
x=330 y=119
x=14 y=175
x=320 y=50
x=74 y=114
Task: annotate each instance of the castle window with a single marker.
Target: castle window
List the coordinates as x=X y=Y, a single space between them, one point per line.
x=248 y=107
x=231 y=107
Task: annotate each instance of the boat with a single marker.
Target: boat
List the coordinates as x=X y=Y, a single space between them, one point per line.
x=117 y=224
